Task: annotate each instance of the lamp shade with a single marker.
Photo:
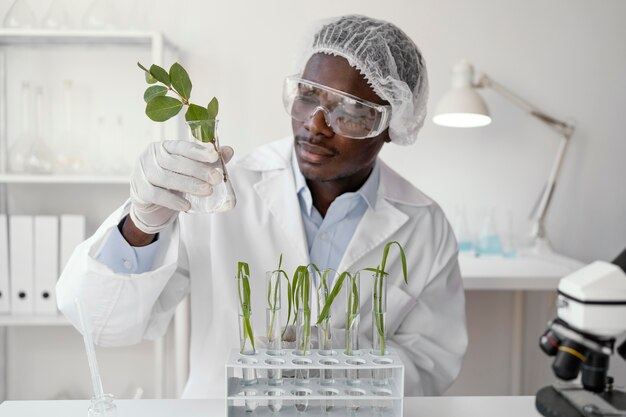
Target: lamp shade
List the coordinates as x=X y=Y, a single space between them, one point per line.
x=462 y=106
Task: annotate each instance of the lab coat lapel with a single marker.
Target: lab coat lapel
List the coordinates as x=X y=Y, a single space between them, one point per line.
x=376 y=228
x=277 y=191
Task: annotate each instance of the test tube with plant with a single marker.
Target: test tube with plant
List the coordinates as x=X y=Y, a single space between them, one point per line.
x=324 y=334
x=202 y=122
x=246 y=334
x=379 y=299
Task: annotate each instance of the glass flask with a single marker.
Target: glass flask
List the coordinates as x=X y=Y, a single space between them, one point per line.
x=20 y=16
x=69 y=158
x=488 y=241
x=223 y=196
x=40 y=160
x=57 y=16
x=100 y=15
x=461 y=230
x=20 y=149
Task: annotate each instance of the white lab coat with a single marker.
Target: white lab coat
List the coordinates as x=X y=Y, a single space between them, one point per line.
x=426 y=320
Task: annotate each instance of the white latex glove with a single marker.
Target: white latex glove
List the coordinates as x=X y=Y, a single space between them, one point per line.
x=164 y=171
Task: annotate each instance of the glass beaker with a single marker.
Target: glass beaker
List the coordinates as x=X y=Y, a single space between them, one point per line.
x=102 y=407
x=20 y=16
x=223 y=196
x=488 y=241
x=40 y=160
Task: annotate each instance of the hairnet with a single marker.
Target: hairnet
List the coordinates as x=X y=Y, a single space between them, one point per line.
x=390 y=62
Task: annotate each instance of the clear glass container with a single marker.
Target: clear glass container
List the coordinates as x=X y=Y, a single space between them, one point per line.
x=353 y=314
x=245 y=343
x=102 y=407
x=57 y=16
x=379 y=312
x=303 y=332
x=101 y=15
x=272 y=313
x=20 y=16
x=40 y=160
x=19 y=151
x=324 y=332
x=223 y=196
x=69 y=153
x=488 y=240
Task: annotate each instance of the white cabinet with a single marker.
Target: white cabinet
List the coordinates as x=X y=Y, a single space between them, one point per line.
x=109 y=88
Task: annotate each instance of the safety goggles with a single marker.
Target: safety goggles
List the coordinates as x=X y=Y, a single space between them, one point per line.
x=346 y=114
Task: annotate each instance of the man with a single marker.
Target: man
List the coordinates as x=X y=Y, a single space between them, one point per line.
x=321 y=196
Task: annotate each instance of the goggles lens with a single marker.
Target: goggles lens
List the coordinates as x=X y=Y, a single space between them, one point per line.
x=346 y=114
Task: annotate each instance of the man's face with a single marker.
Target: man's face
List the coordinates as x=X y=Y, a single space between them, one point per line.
x=322 y=154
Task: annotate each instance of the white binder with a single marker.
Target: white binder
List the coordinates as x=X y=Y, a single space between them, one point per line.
x=21 y=264
x=5 y=299
x=46 y=263
x=72 y=233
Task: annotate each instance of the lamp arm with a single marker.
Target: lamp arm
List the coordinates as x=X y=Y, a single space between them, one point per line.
x=563 y=128
x=566 y=131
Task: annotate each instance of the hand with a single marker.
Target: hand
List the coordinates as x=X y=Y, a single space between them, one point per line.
x=164 y=171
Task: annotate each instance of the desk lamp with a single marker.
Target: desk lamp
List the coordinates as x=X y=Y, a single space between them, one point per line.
x=462 y=106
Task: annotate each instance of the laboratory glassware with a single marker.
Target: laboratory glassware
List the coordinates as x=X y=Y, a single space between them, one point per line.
x=272 y=313
x=324 y=328
x=101 y=404
x=488 y=241
x=461 y=230
x=57 y=16
x=40 y=159
x=353 y=314
x=69 y=158
x=100 y=15
x=20 y=149
x=223 y=196
x=20 y=16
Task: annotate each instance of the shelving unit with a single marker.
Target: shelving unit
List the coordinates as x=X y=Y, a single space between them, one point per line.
x=82 y=185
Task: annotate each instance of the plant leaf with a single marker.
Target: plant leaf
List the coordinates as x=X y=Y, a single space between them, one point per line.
x=149 y=78
x=180 y=80
x=154 y=91
x=142 y=67
x=195 y=112
x=160 y=74
x=213 y=108
x=163 y=108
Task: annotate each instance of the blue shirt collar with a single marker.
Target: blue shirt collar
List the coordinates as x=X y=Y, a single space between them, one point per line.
x=367 y=191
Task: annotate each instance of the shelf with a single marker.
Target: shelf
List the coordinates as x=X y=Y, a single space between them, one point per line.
x=33 y=320
x=62 y=179
x=80 y=37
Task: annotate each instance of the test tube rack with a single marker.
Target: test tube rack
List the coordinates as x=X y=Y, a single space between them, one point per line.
x=364 y=384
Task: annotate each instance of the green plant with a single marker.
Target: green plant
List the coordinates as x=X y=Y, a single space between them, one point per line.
x=353 y=297
x=377 y=299
x=323 y=298
x=161 y=107
x=272 y=297
x=301 y=289
x=243 y=290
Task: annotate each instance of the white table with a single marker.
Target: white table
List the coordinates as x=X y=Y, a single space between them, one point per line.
x=525 y=272
x=413 y=406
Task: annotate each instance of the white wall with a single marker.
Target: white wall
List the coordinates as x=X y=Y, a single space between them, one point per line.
x=565 y=56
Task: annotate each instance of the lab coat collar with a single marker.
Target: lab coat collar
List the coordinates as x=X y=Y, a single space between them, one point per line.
x=377 y=225
x=392 y=187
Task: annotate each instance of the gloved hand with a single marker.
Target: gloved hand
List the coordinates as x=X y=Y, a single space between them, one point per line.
x=164 y=171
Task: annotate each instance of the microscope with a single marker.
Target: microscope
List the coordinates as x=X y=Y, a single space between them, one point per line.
x=591 y=315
